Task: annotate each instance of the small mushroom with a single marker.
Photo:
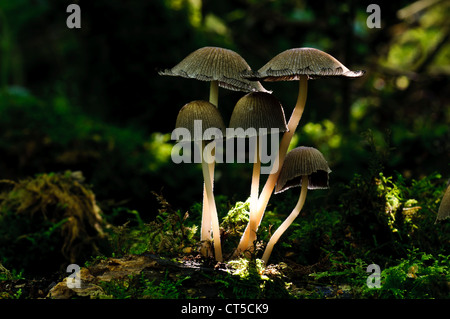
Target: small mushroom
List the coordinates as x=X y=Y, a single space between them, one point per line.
x=253 y=112
x=444 y=207
x=303 y=166
x=211 y=121
x=295 y=64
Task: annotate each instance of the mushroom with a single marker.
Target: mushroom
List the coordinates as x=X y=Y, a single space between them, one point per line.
x=253 y=112
x=303 y=166
x=294 y=64
x=212 y=125
x=221 y=67
x=444 y=207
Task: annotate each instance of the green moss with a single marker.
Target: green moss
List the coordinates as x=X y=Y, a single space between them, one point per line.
x=418 y=276
x=247 y=279
x=237 y=218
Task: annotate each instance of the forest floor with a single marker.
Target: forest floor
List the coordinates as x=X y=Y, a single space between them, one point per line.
x=149 y=276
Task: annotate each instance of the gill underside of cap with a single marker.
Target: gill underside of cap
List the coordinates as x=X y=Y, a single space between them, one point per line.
x=316 y=180
x=293 y=75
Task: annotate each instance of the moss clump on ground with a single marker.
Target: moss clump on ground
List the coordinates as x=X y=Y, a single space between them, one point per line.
x=47 y=222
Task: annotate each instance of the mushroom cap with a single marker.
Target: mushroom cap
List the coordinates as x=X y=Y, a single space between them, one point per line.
x=303 y=161
x=444 y=207
x=216 y=64
x=258 y=110
x=290 y=64
x=203 y=111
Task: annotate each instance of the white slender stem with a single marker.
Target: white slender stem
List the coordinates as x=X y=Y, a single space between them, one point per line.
x=205 y=236
x=276 y=236
x=206 y=227
x=254 y=196
x=212 y=206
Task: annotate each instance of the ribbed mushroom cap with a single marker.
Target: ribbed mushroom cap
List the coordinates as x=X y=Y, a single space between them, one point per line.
x=290 y=64
x=303 y=161
x=200 y=110
x=216 y=64
x=258 y=110
x=444 y=208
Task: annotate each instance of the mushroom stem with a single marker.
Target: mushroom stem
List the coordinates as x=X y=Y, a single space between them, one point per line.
x=254 y=196
x=284 y=145
x=276 y=236
x=250 y=236
x=214 y=93
x=205 y=236
x=211 y=205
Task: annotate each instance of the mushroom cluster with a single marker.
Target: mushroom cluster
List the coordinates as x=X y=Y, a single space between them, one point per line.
x=256 y=113
x=221 y=67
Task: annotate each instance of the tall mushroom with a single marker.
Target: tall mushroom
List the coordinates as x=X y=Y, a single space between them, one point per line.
x=221 y=67
x=254 y=116
x=211 y=124
x=294 y=64
x=303 y=166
